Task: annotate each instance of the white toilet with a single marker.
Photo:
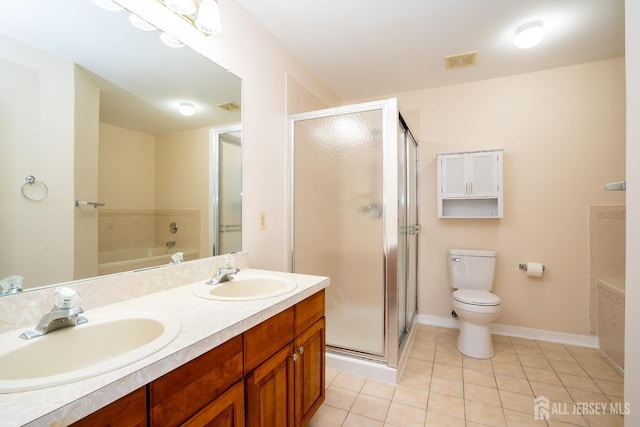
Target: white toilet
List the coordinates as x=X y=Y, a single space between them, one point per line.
x=471 y=274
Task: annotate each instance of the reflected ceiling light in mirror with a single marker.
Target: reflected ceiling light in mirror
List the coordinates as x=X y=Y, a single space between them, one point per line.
x=187 y=109
x=183 y=7
x=108 y=5
x=208 y=18
x=529 y=34
x=140 y=23
x=170 y=41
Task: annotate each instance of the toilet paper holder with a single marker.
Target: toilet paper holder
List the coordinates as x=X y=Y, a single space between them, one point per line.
x=523 y=267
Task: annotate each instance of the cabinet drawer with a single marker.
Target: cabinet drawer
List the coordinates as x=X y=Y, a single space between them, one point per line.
x=179 y=394
x=307 y=312
x=263 y=340
x=130 y=410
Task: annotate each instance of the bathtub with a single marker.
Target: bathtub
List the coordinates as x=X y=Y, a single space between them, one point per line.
x=117 y=261
x=610 y=306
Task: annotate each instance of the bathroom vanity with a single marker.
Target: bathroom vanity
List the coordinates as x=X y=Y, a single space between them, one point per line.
x=251 y=362
x=273 y=364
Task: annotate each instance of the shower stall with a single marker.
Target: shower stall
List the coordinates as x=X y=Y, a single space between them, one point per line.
x=354 y=219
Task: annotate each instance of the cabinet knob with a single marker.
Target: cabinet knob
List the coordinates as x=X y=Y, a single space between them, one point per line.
x=294 y=356
x=301 y=349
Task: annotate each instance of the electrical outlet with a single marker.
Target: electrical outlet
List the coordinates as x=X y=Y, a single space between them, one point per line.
x=262 y=220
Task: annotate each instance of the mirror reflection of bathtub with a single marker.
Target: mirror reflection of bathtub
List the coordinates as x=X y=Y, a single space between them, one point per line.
x=117 y=261
x=611 y=302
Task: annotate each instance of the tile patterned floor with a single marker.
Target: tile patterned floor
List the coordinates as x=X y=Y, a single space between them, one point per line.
x=441 y=387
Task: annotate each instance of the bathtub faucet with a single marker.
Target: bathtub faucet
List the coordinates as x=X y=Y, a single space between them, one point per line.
x=62 y=315
x=170 y=243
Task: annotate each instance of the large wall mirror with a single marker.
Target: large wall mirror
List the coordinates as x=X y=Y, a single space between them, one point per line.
x=89 y=114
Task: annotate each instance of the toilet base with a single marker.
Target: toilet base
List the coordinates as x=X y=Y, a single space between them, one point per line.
x=475 y=340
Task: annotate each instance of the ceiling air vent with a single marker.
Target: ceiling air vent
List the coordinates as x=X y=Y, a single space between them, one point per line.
x=459 y=61
x=229 y=106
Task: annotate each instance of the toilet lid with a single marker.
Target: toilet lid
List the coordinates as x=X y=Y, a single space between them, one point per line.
x=476 y=297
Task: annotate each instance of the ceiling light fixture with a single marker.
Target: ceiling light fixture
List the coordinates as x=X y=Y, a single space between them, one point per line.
x=529 y=34
x=187 y=109
x=203 y=14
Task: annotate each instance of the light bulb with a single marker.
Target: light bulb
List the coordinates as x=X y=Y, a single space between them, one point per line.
x=529 y=35
x=208 y=19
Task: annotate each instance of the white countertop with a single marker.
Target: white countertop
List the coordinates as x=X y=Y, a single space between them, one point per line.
x=205 y=324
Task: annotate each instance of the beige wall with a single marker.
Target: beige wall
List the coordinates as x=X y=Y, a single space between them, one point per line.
x=37 y=100
x=87 y=112
x=632 y=321
x=562 y=132
x=127 y=168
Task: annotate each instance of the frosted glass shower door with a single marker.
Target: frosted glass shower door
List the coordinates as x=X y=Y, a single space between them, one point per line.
x=338 y=225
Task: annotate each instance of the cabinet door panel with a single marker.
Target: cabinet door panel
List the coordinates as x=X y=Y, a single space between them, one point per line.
x=270 y=391
x=226 y=411
x=454 y=176
x=310 y=370
x=484 y=176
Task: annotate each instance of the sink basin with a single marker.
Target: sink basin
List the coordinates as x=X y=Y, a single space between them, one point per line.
x=246 y=287
x=107 y=342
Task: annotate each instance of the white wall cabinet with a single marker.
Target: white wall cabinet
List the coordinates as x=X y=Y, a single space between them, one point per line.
x=470 y=184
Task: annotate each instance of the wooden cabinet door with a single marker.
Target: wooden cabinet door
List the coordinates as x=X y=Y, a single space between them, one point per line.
x=130 y=410
x=269 y=391
x=454 y=181
x=226 y=411
x=310 y=369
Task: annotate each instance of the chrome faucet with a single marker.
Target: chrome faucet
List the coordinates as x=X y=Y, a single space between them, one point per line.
x=62 y=315
x=226 y=272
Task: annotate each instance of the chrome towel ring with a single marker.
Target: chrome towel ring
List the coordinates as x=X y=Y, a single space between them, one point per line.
x=37 y=193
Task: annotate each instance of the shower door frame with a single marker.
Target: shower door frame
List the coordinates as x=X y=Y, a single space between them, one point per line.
x=390 y=116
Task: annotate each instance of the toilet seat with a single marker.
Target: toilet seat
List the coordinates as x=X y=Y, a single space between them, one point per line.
x=476 y=297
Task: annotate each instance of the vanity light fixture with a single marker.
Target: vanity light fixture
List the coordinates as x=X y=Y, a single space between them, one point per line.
x=529 y=34
x=208 y=18
x=187 y=109
x=203 y=14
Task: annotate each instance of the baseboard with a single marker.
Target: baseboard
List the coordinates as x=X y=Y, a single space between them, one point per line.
x=517 y=331
x=363 y=368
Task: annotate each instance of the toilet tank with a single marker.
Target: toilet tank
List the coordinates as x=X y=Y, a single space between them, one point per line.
x=471 y=269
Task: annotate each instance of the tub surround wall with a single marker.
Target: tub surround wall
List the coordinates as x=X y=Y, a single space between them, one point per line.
x=606 y=250
x=611 y=324
x=148 y=228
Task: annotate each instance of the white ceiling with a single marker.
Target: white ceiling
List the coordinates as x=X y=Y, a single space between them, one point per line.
x=141 y=80
x=369 y=48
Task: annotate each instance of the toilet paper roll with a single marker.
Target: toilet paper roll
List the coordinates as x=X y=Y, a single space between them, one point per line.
x=534 y=269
